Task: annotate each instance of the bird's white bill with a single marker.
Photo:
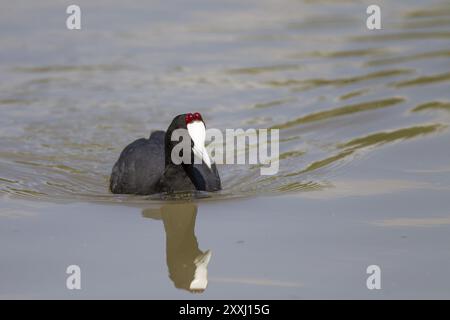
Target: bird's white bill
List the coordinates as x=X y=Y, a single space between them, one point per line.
x=197 y=131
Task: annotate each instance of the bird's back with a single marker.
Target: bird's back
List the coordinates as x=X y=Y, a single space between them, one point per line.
x=139 y=166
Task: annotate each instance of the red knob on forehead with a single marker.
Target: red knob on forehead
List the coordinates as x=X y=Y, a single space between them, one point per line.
x=198 y=116
x=188 y=118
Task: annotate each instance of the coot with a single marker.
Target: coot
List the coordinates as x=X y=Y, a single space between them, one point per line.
x=146 y=167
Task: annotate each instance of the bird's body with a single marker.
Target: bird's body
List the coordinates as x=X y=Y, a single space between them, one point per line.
x=145 y=167
x=138 y=169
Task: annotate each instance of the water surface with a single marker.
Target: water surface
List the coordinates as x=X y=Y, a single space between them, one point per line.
x=364 y=147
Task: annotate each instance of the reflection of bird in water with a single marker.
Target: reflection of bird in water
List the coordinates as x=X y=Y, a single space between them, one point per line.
x=186 y=262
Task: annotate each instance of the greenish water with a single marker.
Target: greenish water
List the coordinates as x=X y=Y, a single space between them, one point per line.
x=364 y=147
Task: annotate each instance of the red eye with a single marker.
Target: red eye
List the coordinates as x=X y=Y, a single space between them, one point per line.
x=198 y=116
x=188 y=118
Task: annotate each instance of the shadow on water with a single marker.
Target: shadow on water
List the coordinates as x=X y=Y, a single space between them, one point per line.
x=187 y=264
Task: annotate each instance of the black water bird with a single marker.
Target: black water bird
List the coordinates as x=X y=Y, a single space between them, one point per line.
x=146 y=166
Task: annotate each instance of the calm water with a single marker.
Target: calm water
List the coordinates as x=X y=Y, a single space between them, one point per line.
x=364 y=148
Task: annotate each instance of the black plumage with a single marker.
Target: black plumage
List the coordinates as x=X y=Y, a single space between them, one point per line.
x=145 y=167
